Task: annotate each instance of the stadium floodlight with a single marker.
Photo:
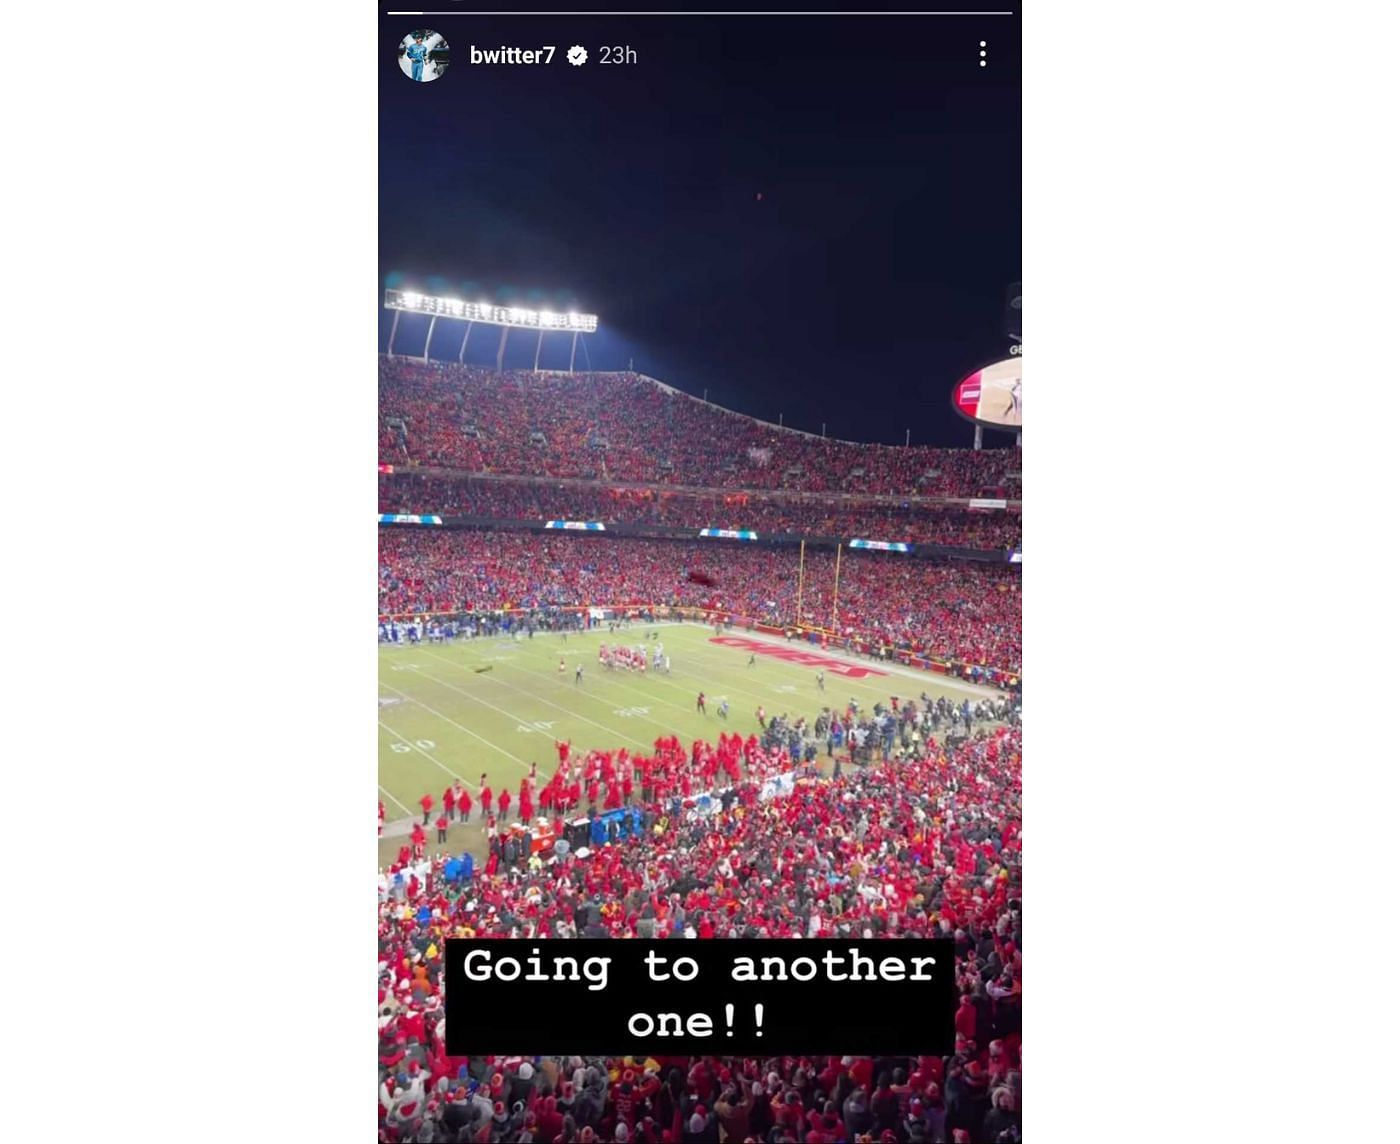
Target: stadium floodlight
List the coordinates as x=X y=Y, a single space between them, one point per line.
x=514 y=316
x=507 y=317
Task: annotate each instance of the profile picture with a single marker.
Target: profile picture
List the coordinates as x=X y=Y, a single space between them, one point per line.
x=423 y=55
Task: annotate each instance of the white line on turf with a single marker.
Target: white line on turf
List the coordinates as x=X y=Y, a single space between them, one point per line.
x=391 y=798
x=536 y=698
x=612 y=680
x=607 y=679
x=447 y=719
x=422 y=752
x=723 y=660
x=511 y=715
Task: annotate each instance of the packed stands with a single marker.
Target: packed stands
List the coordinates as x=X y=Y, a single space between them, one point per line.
x=629 y=428
x=926 y=846
x=946 y=610
x=675 y=508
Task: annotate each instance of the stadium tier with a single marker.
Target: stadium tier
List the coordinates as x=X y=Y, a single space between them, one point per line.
x=926 y=846
x=945 y=610
x=628 y=428
x=669 y=507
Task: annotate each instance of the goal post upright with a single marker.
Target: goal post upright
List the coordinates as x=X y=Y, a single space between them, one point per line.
x=836 y=590
x=801 y=567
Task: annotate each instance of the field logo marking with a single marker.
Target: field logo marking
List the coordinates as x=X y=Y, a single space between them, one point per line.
x=792 y=655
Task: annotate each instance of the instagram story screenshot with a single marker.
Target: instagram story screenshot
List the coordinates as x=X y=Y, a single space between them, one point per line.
x=699 y=577
x=689 y=347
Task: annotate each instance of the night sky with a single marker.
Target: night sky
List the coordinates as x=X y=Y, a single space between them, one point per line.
x=868 y=280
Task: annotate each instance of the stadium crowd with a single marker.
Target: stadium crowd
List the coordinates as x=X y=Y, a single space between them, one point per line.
x=910 y=522
x=926 y=846
x=961 y=611
x=625 y=427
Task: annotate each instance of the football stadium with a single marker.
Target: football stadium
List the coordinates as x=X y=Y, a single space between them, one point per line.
x=652 y=668
x=699 y=579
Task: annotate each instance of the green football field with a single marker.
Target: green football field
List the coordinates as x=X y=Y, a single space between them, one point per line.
x=441 y=717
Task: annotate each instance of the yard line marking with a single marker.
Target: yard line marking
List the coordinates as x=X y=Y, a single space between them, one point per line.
x=684 y=674
x=663 y=679
x=390 y=797
x=475 y=699
x=654 y=677
x=718 y=660
x=607 y=678
x=611 y=679
x=536 y=698
x=422 y=752
x=459 y=726
x=721 y=661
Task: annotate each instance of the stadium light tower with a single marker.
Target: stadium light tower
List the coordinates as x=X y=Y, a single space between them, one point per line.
x=507 y=317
